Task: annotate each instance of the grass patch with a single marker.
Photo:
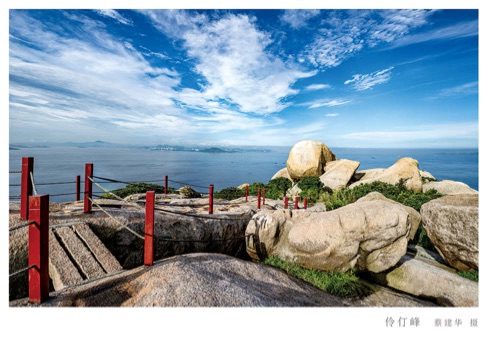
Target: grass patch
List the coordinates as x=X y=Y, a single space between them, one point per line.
x=138 y=188
x=471 y=275
x=340 y=284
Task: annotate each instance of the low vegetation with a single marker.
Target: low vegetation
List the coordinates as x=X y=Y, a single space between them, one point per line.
x=340 y=284
x=471 y=275
x=138 y=188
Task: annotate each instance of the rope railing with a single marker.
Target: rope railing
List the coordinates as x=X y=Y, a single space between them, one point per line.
x=19 y=227
x=15 y=171
x=34 y=189
x=20 y=271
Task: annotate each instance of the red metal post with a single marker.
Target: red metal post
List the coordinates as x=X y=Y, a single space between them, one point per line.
x=26 y=186
x=258 y=198
x=210 y=198
x=38 y=248
x=247 y=193
x=78 y=181
x=305 y=203
x=286 y=202
x=263 y=197
x=88 y=188
x=149 y=228
x=165 y=185
x=296 y=202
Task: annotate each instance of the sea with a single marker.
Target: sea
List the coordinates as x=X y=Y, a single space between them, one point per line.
x=56 y=168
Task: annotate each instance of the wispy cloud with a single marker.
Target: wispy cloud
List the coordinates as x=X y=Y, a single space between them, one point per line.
x=114 y=15
x=461 y=30
x=332 y=115
x=457 y=91
x=347 y=33
x=314 y=87
x=298 y=18
x=361 y=82
x=326 y=103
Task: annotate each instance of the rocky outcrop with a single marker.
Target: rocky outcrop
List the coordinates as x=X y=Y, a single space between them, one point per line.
x=447 y=187
x=426 y=176
x=414 y=275
x=282 y=173
x=211 y=280
x=370 y=235
x=308 y=158
x=413 y=214
x=243 y=186
x=405 y=169
x=452 y=224
x=338 y=174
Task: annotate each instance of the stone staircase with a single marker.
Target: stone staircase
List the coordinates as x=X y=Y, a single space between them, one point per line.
x=77 y=254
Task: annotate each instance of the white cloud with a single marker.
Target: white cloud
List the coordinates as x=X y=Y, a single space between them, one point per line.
x=362 y=82
x=460 y=90
x=114 y=15
x=332 y=115
x=345 y=33
x=231 y=55
x=327 y=103
x=298 y=18
x=314 y=87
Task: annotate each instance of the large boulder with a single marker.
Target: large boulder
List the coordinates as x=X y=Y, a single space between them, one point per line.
x=405 y=169
x=452 y=224
x=414 y=275
x=370 y=235
x=448 y=187
x=338 y=173
x=413 y=214
x=282 y=173
x=308 y=158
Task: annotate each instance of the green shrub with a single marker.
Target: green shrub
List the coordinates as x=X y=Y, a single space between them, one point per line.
x=230 y=193
x=341 y=284
x=421 y=239
x=138 y=188
x=471 y=275
x=277 y=187
x=312 y=188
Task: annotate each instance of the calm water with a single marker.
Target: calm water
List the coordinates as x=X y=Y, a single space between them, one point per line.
x=63 y=164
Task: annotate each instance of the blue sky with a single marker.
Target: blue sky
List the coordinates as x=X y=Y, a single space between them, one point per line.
x=350 y=78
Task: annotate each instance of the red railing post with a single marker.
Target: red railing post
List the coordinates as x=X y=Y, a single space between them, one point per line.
x=88 y=188
x=246 y=193
x=165 y=185
x=78 y=181
x=286 y=202
x=149 y=228
x=210 y=200
x=305 y=203
x=296 y=202
x=263 y=197
x=258 y=198
x=38 y=248
x=26 y=186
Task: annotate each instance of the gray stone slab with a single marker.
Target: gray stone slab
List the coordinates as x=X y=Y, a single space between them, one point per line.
x=82 y=255
x=98 y=249
x=61 y=270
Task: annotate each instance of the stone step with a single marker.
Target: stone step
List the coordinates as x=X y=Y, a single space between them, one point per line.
x=83 y=257
x=104 y=257
x=61 y=270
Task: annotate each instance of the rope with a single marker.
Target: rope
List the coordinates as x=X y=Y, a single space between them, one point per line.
x=21 y=271
x=208 y=217
x=187 y=184
x=116 y=196
x=196 y=241
x=15 y=196
x=123 y=225
x=54 y=183
x=20 y=226
x=15 y=171
x=33 y=183
x=111 y=180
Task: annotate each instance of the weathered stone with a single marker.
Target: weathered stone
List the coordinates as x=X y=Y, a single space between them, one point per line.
x=318 y=207
x=243 y=186
x=415 y=275
x=188 y=192
x=282 y=173
x=405 y=169
x=426 y=176
x=308 y=158
x=338 y=173
x=372 y=235
x=447 y=187
x=370 y=173
x=294 y=191
x=61 y=270
x=413 y=214
x=452 y=224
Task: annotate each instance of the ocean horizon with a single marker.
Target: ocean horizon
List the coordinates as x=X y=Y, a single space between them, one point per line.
x=222 y=169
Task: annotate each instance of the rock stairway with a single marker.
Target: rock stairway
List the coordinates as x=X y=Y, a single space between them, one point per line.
x=77 y=254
